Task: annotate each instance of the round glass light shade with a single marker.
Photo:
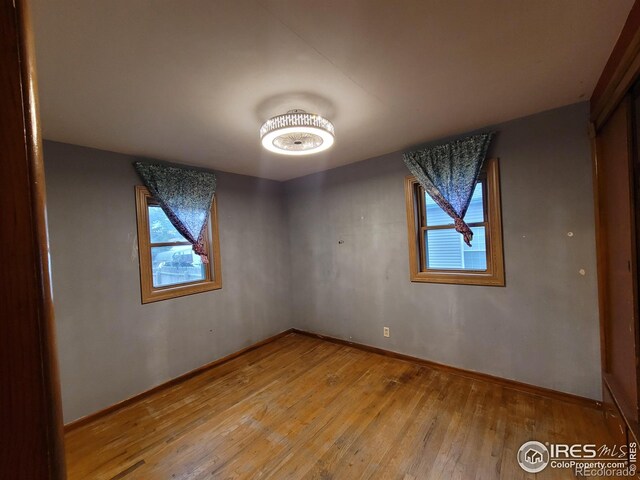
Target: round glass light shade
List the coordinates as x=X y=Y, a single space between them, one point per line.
x=297 y=133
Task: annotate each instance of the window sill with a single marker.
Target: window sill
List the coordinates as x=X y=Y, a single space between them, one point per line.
x=166 y=293
x=457 y=278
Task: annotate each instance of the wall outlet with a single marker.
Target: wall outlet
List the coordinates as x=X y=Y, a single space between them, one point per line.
x=385 y=332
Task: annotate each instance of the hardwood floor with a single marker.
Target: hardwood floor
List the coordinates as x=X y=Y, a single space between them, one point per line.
x=303 y=408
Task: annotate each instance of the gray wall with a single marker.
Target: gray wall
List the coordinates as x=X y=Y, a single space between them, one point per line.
x=542 y=328
x=110 y=345
x=283 y=267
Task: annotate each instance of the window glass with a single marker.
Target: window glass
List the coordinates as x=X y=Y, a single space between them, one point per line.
x=175 y=265
x=475 y=212
x=446 y=250
x=436 y=216
x=160 y=228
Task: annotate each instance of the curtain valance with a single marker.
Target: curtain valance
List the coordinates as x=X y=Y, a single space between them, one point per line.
x=449 y=173
x=185 y=195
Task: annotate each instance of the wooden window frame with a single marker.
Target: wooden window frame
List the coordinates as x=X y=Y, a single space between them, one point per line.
x=416 y=225
x=213 y=280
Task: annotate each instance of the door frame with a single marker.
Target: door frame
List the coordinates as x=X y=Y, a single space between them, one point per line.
x=31 y=431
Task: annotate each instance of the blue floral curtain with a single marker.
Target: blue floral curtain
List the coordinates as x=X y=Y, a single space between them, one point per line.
x=449 y=172
x=185 y=195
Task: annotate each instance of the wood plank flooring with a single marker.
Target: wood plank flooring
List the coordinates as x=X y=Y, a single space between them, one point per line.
x=304 y=408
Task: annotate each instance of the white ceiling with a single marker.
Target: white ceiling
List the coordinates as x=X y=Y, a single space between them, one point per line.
x=191 y=81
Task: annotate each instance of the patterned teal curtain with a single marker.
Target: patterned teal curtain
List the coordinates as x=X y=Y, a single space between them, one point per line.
x=449 y=172
x=185 y=195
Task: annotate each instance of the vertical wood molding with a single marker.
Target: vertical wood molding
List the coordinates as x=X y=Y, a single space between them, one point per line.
x=612 y=155
x=620 y=72
x=31 y=436
x=600 y=247
x=613 y=159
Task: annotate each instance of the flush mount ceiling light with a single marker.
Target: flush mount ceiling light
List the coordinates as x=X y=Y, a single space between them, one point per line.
x=297 y=133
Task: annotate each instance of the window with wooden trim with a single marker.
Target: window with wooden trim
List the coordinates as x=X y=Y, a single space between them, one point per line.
x=169 y=267
x=438 y=254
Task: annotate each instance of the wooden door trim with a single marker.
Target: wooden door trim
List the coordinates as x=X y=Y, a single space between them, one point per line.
x=609 y=382
x=601 y=263
x=620 y=72
x=31 y=435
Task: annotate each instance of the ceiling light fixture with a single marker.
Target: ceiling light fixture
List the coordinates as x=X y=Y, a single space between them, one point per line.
x=297 y=133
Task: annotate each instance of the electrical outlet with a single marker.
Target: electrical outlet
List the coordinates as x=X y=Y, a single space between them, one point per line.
x=385 y=331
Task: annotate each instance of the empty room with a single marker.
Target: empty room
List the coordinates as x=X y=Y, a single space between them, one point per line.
x=291 y=239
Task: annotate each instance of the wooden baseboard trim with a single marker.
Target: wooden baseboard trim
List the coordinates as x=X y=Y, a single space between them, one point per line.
x=186 y=376
x=503 y=382
x=511 y=384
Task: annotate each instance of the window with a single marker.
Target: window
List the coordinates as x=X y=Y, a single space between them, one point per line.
x=169 y=267
x=438 y=254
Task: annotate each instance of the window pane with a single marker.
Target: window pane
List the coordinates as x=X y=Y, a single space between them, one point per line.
x=160 y=228
x=475 y=213
x=176 y=265
x=446 y=250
